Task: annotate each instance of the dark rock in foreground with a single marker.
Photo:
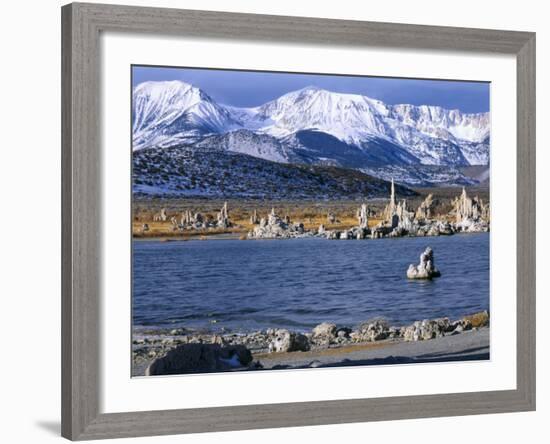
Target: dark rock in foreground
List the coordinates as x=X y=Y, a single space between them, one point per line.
x=195 y=358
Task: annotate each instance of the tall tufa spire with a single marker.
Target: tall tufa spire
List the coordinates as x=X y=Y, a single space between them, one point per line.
x=391 y=209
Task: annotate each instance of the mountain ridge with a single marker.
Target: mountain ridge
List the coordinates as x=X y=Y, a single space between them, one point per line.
x=312 y=126
x=185 y=171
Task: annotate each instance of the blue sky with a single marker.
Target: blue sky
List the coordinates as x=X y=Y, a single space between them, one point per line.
x=251 y=88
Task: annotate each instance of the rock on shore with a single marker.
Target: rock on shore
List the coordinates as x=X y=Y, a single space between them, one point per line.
x=287 y=341
x=436 y=328
x=191 y=358
x=376 y=330
x=183 y=351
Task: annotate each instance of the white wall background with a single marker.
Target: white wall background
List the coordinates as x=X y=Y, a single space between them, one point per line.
x=30 y=220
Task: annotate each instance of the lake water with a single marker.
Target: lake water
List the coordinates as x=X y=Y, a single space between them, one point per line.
x=299 y=283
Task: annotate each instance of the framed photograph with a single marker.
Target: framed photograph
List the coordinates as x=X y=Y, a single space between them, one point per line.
x=278 y=221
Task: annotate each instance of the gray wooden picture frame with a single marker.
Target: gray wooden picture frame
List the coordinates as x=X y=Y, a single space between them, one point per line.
x=81 y=174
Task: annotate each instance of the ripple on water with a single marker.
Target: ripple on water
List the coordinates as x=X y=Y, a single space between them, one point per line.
x=302 y=282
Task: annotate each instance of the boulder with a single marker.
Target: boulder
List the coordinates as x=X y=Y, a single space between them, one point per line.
x=427 y=329
x=461 y=325
x=343 y=332
x=426 y=268
x=412 y=332
x=477 y=320
x=371 y=331
x=435 y=328
x=286 y=341
x=324 y=332
x=200 y=358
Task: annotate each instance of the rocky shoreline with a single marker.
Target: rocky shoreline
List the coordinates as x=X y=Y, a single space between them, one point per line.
x=180 y=351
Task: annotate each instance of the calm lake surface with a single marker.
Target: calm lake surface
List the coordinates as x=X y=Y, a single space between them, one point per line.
x=299 y=283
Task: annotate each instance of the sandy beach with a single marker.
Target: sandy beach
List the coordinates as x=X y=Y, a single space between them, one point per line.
x=470 y=345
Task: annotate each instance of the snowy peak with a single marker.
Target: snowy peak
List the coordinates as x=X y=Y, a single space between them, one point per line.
x=349 y=117
x=165 y=113
x=163 y=102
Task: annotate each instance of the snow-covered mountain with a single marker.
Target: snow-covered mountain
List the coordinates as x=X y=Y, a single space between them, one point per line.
x=431 y=134
x=312 y=126
x=167 y=113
